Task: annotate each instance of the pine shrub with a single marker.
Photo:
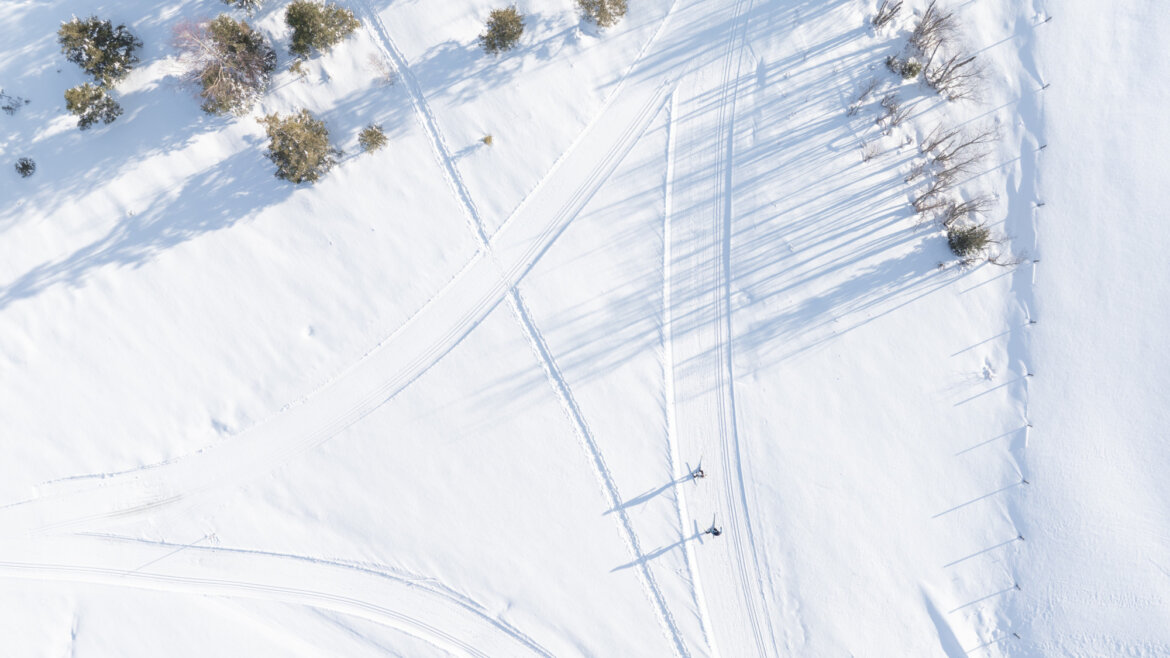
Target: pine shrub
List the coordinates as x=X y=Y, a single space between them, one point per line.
x=299 y=146
x=605 y=13
x=231 y=61
x=910 y=69
x=91 y=103
x=26 y=167
x=504 y=27
x=372 y=138
x=102 y=50
x=249 y=6
x=317 y=26
x=968 y=242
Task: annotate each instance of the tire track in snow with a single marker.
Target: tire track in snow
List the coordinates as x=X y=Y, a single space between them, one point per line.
x=523 y=316
x=684 y=517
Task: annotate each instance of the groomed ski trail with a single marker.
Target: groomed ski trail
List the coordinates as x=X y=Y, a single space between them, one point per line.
x=702 y=339
x=684 y=516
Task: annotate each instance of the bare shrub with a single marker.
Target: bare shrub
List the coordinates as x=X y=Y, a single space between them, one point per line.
x=382 y=71
x=957 y=77
x=886 y=12
x=934 y=29
x=869 y=151
x=966 y=210
x=231 y=62
x=895 y=113
x=862 y=96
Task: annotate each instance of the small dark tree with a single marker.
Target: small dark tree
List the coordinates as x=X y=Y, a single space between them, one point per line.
x=26 y=167
x=231 y=62
x=969 y=241
x=104 y=51
x=299 y=145
x=249 y=6
x=605 y=13
x=372 y=138
x=317 y=26
x=91 y=104
x=504 y=27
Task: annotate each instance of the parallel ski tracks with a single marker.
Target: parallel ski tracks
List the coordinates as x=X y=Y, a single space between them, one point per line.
x=461 y=615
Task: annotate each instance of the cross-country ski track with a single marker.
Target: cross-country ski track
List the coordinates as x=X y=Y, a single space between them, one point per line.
x=457 y=309
x=443 y=620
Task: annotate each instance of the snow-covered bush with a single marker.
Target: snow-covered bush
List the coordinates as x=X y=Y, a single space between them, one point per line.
x=504 y=27
x=104 y=51
x=299 y=146
x=91 y=103
x=372 y=138
x=26 y=167
x=605 y=13
x=317 y=26
x=250 y=6
x=231 y=62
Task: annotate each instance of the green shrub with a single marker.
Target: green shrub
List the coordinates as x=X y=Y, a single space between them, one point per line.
x=910 y=69
x=504 y=27
x=102 y=50
x=26 y=167
x=317 y=26
x=605 y=13
x=231 y=61
x=968 y=242
x=372 y=138
x=299 y=146
x=91 y=104
x=250 y=6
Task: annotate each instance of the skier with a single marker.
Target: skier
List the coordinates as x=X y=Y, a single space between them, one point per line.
x=698 y=473
x=713 y=531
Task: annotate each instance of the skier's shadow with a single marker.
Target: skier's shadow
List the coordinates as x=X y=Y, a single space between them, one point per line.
x=647 y=496
x=698 y=534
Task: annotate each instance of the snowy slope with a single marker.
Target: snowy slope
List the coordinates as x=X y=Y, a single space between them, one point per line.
x=447 y=401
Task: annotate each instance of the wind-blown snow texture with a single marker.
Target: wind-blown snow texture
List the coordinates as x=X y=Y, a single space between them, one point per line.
x=448 y=400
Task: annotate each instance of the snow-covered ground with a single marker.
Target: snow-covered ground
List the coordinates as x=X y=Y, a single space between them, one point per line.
x=447 y=401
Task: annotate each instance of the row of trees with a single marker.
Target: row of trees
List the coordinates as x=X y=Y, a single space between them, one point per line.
x=948 y=156
x=231 y=64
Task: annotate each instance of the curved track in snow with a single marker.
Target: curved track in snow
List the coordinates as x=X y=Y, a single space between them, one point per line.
x=449 y=623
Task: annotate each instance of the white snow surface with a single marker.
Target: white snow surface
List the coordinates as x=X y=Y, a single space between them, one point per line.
x=447 y=400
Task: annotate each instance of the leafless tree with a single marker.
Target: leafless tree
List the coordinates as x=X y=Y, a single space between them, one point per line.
x=958 y=148
x=934 y=29
x=933 y=198
x=955 y=77
x=229 y=60
x=886 y=12
x=968 y=209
